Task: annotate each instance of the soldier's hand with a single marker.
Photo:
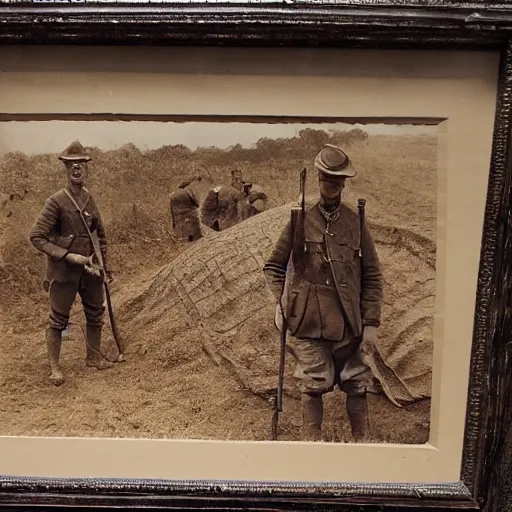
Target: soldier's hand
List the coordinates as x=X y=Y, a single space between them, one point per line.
x=91 y=269
x=370 y=339
x=77 y=259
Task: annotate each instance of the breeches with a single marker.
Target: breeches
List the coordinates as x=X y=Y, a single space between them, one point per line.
x=62 y=297
x=323 y=364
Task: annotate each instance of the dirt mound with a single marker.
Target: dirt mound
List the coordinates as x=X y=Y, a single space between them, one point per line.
x=214 y=293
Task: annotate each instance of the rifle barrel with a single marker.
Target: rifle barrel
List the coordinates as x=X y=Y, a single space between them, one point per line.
x=361 y=206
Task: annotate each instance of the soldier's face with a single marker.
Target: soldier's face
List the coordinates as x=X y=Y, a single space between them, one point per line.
x=77 y=172
x=330 y=187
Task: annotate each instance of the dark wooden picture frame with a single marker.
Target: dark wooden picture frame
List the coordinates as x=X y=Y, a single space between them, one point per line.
x=485 y=481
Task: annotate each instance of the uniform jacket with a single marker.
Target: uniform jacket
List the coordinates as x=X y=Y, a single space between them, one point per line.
x=222 y=206
x=182 y=202
x=331 y=293
x=59 y=230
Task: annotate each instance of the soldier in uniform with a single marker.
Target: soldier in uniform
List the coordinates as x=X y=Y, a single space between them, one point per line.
x=220 y=208
x=185 y=220
x=59 y=232
x=332 y=316
x=237 y=180
x=254 y=201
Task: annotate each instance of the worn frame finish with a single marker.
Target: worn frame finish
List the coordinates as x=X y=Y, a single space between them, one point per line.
x=486 y=483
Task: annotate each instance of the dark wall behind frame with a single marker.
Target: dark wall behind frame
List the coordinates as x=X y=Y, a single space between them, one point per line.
x=436 y=24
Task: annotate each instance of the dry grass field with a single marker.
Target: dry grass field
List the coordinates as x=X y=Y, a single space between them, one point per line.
x=197 y=319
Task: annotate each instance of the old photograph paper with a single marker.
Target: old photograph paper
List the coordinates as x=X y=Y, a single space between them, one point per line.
x=185 y=345
x=193 y=209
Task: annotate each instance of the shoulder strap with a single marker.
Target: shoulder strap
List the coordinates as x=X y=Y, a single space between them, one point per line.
x=96 y=248
x=66 y=191
x=79 y=211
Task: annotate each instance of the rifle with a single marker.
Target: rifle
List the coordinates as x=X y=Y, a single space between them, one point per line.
x=278 y=400
x=111 y=317
x=297 y=221
x=297 y=228
x=101 y=267
x=361 y=204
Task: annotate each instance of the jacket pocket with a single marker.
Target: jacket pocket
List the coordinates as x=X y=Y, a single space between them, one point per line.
x=346 y=251
x=297 y=306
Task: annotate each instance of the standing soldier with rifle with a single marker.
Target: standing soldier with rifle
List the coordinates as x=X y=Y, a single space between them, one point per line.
x=325 y=272
x=66 y=230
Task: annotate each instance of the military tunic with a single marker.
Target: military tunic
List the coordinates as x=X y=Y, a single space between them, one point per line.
x=185 y=220
x=57 y=231
x=328 y=307
x=221 y=207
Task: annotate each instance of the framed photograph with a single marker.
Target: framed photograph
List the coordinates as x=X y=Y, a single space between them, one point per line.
x=255 y=255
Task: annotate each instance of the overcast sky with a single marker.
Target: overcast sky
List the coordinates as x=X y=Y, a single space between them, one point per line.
x=53 y=136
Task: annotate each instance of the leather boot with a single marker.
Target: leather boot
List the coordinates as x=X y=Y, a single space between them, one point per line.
x=53 y=344
x=357 y=410
x=94 y=357
x=312 y=415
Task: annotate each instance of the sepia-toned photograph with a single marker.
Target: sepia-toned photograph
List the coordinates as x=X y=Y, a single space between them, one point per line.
x=218 y=280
